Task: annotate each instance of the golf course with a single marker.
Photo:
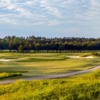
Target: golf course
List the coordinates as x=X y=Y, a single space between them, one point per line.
x=23 y=65
x=49 y=49
x=45 y=76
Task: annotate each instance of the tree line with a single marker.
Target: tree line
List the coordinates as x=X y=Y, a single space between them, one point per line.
x=22 y=44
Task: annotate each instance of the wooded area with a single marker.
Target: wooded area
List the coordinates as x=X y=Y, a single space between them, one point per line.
x=22 y=44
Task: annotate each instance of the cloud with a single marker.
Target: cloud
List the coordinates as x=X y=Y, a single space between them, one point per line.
x=49 y=12
x=45 y=4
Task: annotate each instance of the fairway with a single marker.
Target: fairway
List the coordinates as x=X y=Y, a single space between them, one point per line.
x=42 y=64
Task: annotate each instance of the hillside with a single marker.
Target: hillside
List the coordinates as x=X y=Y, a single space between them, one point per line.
x=84 y=87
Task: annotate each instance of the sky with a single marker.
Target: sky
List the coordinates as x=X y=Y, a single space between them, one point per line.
x=50 y=18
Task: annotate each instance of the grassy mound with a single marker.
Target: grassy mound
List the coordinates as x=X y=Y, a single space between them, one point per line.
x=84 y=87
x=8 y=75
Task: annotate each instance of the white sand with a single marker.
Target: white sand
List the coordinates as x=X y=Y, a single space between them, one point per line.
x=73 y=56
x=5 y=60
x=89 y=57
x=80 y=57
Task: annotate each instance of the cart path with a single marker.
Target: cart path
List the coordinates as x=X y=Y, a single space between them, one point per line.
x=51 y=76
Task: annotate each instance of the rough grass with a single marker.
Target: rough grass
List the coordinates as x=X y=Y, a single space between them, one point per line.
x=84 y=87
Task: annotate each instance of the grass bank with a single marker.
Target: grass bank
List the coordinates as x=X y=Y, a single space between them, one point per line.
x=84 y=87
x=9 y=75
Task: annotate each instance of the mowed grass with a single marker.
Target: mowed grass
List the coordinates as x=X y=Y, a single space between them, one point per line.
x=41 y=64
x=82 y=87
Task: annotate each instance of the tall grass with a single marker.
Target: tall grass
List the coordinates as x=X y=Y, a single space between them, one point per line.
x=84 y=87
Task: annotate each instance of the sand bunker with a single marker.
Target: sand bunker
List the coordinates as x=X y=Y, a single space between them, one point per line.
x=80 y=57
x=5 y=60
x=89 y=57
x=73 y=56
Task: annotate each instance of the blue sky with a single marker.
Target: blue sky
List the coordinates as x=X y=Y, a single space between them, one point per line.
x=50 y=18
